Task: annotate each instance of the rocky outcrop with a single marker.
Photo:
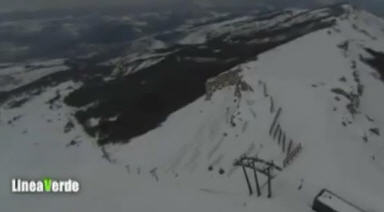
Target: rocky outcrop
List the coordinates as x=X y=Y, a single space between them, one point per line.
x=226 y=79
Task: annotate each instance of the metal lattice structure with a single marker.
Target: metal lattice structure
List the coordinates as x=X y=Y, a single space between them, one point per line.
x=257 y=165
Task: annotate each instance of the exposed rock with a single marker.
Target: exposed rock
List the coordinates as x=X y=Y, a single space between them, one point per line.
x=226 y=79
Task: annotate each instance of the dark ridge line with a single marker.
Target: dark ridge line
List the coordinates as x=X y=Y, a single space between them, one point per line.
x=143 y=100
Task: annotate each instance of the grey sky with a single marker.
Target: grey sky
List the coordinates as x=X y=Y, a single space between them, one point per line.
x=38 y=4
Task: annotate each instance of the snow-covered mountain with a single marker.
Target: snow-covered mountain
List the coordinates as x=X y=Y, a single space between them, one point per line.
x=162 y=128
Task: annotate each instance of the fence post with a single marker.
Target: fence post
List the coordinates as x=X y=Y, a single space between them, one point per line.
x=276 y=131
x=289 y=147
x=247 y=179
x=256 y=180
x=265 y=90
x=274 y=121
x=269 y=182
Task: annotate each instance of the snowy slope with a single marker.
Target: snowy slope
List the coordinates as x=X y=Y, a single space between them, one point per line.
x=334 y=156
x=13 y=76
x=330 y=101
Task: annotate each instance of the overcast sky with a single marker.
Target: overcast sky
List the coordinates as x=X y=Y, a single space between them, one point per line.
x=38 y=4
